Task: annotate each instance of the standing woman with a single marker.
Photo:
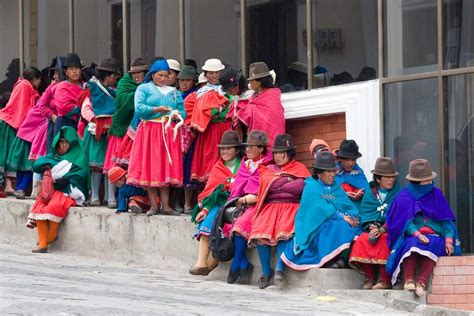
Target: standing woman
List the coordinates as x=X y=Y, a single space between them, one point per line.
x=370 y=251
x=264 y=110
x=213 y=197
x=69 y=94
x=279 y=193
x=97 y=110
x=421 y=228
x=175 y=68
x=156 y=156
x=209 y=120
x=69 y=171
x=22 y=100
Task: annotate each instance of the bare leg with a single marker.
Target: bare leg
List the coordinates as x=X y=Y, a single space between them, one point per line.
x=153 y=194
x=188 y=198
x=203 y=252
x=165 y=198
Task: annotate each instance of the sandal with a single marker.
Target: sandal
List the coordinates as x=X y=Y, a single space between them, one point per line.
x=199 y=270
x=420 y=289
x=39 y=250
x=368 y=285
x=381 y=286
x=409 y=285
x=169 y=212
x=152 y=212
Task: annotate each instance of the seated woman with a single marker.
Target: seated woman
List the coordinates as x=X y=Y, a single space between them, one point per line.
x=370 y=250
x=420 y=227
x=279 y=193
x=69 y=171
x=326 y=222
x=246 y=189
x=213 y=197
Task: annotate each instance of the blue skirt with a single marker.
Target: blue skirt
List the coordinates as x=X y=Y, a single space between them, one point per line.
x=433 y=250
x=204 y=227
x=333 y=237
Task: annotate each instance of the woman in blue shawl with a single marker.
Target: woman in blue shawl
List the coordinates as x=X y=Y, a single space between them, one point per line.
x=370 y=251
x=421 y=228
x=326 y=222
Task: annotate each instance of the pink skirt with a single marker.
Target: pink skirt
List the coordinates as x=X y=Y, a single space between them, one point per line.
x=122 y=154
x=113 y=144
x=38 y=145
x=155 y=161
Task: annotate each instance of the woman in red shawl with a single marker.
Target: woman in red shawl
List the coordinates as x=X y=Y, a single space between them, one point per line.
x=279 y=193
x=22 y=100
x=215 y=195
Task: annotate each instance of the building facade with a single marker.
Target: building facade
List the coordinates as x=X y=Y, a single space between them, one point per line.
x=396 y=75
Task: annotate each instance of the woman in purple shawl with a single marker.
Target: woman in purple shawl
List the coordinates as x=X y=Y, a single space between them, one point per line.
x=420 y=227
x=245 y=188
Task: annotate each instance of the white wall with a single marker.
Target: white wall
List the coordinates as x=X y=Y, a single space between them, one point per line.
x=9 y=46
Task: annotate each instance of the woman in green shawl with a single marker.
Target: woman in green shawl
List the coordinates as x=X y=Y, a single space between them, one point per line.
x=69 y=172
x=370 y=251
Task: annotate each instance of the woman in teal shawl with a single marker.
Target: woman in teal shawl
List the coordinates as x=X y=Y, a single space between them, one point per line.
x=326 y=222
x=69 y=171
x=370 y=251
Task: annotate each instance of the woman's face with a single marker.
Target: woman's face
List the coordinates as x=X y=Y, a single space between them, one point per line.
x=253 y=152
x=328 y=176
x=35 y=82
x=160 y=78
x=426 y=182
x=281 y=158
x=56 y=76
x=254 y=85
x=138 y=77
x=110 y=80
x=185 y=84
x=63 y=146
x=172 y=77
x=228 y=153
x=347 y=163
x=213 y=76
x=73 y=73
x=386 y=182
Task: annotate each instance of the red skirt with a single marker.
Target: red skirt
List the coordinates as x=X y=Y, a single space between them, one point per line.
x=243 y=224
x=122 y=154
x=275 y=222
x=113 y=144
x=205 y=151
x=55 y=210
x=150 y=165
x=365 y=252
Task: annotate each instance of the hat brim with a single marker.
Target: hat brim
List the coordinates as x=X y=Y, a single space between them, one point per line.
x=228 y=146
x=433 y=175
x=254 y=144
x=325 y=168
x=185 y=77
x=213 y=69
x=109 y=70
x=144 y=69
x=73 y=65
x=259 y=76
x=395 y=173
x=281 y=149
x=343 y=154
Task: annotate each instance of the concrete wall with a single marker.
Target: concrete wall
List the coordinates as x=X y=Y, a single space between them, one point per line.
x=9 y=34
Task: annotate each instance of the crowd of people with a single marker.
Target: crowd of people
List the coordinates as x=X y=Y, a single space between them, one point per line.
x=161 y=134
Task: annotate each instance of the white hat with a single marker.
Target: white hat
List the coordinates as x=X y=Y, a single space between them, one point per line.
x=202 y=78
x=174 y=65
x=213 y=64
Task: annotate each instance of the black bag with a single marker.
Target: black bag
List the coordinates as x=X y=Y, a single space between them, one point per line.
x=222 y=248
x=232 y=212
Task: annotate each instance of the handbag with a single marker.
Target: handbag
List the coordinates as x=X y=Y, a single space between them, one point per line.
x=47 y=189
x=232 y=212
x=221 y=247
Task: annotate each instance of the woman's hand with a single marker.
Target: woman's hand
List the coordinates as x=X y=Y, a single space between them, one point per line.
x=54 y=118
x=351 y=221
x=375 y=233
x=201 y=216
x=241 y=201
x=423 y=239
x=162 y=109
x=449 y=248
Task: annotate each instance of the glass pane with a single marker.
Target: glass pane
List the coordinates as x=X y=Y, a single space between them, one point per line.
x=459 y=106
x=213 y=33
x=458 y=41
x=101 y=36
x=46 y=34
x=410 y=36
x=411 y=123
x=9 y=49
x=345 y=41
x=277 y=35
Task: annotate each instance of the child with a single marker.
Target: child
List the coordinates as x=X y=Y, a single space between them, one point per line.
x=131 y=198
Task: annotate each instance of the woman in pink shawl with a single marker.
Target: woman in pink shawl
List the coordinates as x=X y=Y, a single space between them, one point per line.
x=22 y=99
x=245 y=189
x=264 y=110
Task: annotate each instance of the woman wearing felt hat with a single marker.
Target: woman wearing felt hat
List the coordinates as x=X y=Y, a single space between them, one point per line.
x=420 y=228
x=213 y=197
x=370 y=251
x=156 y=156
x=209 y=109
x=97 y=109
x=326 y=223
x=279 y=192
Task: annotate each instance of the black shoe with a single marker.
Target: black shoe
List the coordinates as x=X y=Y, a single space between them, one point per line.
x=232 y=277
x=265 y=281
x=246 y=275
x=279 y=278
x=19 y=194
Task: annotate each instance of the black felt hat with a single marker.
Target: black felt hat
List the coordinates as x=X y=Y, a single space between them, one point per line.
x=325 y=160
x=283 y=142
x=348 y=149
x=72 y=60
x=229 y=78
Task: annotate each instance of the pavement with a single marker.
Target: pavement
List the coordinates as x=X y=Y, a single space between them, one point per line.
x=58 y=283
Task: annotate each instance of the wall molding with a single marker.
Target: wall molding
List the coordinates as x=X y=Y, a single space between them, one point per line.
x=359 y=102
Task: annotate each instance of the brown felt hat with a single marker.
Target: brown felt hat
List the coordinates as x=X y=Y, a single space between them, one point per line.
x=230 y=139
x=138 y=65
x=384 y=166
x=258 y=70
x=420 y=170
x=110 y=65
x=325 y=160
x=257 y=138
